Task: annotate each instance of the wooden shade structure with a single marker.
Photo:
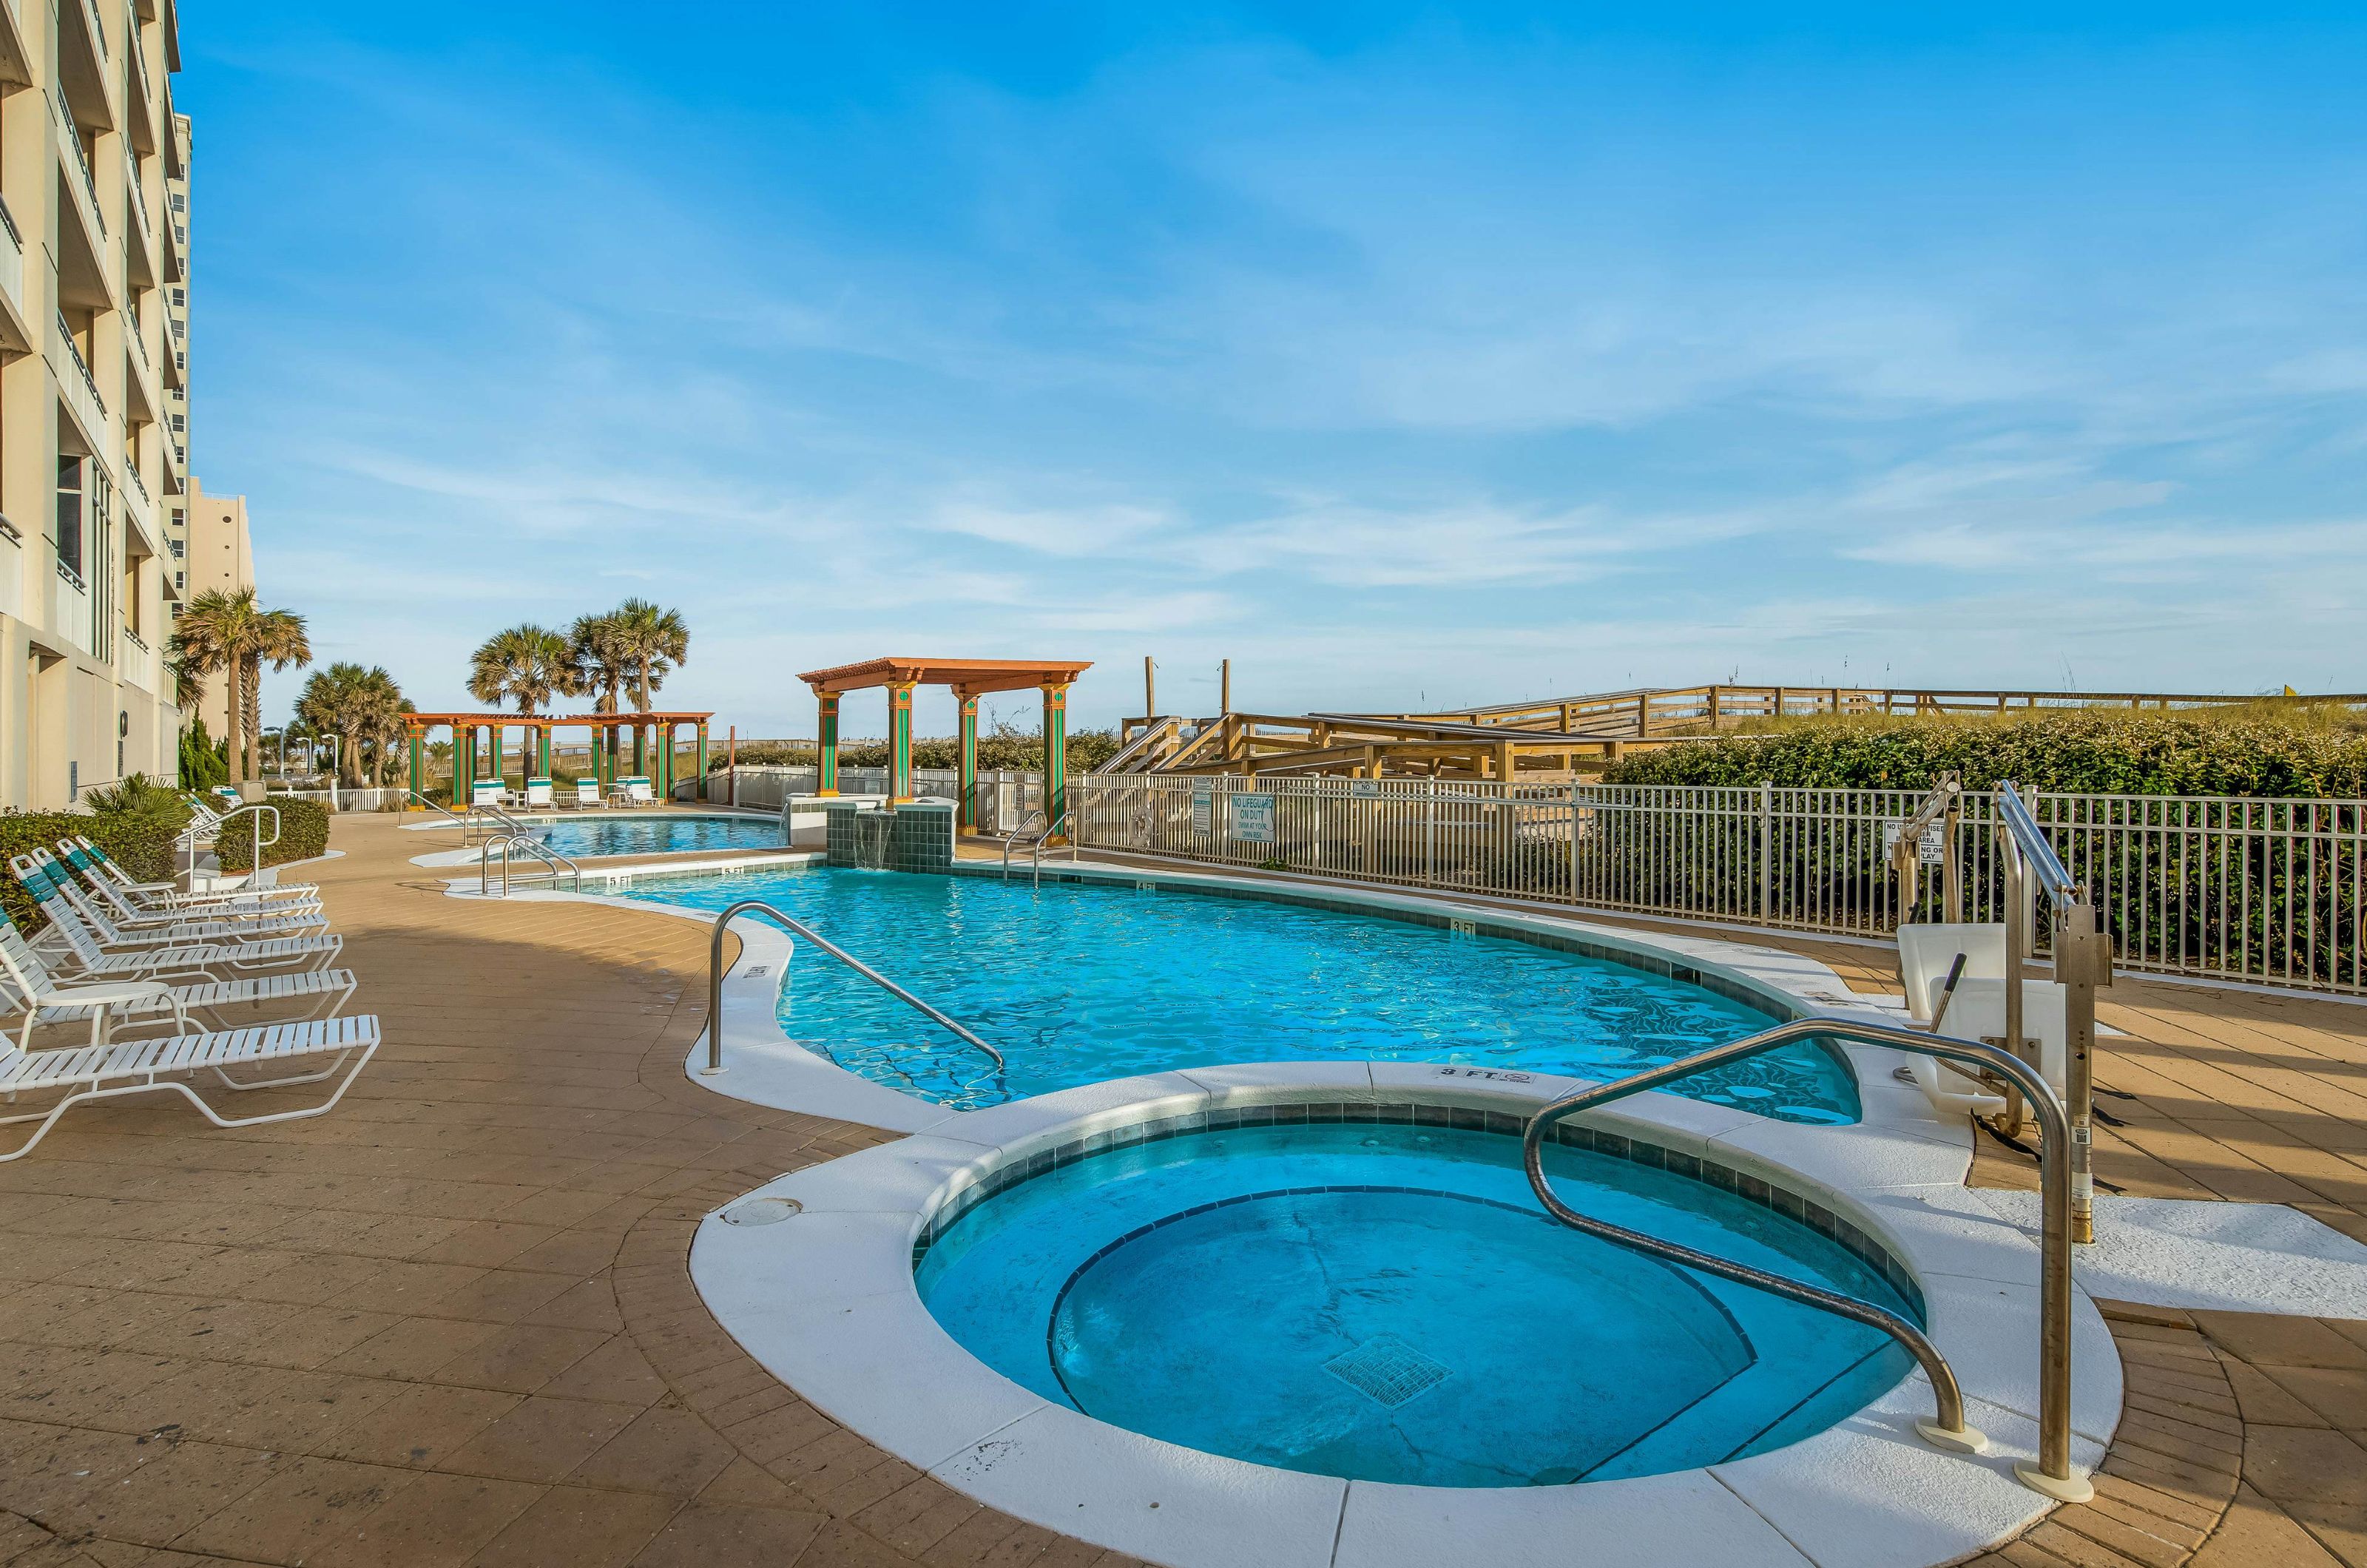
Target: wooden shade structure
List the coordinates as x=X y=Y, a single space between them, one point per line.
x=466 y=728
x=970 y=679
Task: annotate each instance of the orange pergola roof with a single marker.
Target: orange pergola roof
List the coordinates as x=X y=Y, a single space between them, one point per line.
x=511 y=720
x=968 y=677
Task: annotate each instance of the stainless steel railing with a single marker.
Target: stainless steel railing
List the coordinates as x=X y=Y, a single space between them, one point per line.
x=535 y=848
x=2052 y=1473
x=2083 y=962
x=447 y=813
x=1034 y=846
x=796 y=927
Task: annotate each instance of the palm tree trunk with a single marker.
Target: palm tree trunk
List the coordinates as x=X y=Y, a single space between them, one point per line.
x=251 y=680
x=234 y=725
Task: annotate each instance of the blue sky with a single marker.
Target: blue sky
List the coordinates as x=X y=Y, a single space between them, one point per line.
x=1401 y=353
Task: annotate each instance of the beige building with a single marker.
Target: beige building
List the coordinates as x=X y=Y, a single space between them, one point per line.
x=219 y=554
x=94 y=454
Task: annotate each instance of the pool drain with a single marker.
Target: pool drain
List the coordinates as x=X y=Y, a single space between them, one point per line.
x=1386 y=1369
x=762 y=1212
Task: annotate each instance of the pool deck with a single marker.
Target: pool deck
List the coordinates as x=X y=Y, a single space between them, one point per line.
x=445 y=1327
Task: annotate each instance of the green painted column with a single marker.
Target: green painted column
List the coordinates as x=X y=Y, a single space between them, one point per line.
x=1055 y=757
x=826 y=744
x=703 y=792
x=966 y=816
x=542 y=744
x=464 y=772
x=494 y=773
x=641 y=750
x=664 y=781
x=418 y=765
x=900 y=741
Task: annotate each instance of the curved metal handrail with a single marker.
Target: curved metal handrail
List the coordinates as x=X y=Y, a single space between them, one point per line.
x=440 y=808
x=2053 y=1474
x=796 y=927
x=261 y=843
x=2037 y=850
x=533 y=846
x=1035 y=845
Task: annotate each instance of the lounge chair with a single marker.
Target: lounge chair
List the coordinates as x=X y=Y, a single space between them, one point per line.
x=143 y=1001
x=167 y=895
x=485 y=791
x=139 y=1066
x=636 y=790
x=73 y=941
x=537 y=793
x=51 y=883
x=216 y=906
x=587 y=793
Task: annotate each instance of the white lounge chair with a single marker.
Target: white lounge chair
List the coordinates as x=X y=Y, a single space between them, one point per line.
x=141 y=1066
x=169 y=896
x=52 y=884
x=36 y=990
x=485 y=791
x=635 y=787
x=537 y=793
x=84 y=959
x=249 y=906
x=587 y=793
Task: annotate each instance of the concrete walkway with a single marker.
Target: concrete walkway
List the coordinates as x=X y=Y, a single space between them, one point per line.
x=452 y=1323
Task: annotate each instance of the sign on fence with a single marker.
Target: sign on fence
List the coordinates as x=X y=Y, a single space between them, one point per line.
x=1931 y=845
x=1365 y=789
x=1203 y=810
x=1254 y=818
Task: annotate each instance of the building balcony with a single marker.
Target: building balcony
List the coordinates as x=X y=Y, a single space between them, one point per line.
x=77 y=390
x=16 y=333
x=15 y=54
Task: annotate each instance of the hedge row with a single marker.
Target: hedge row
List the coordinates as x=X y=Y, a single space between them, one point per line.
x=2274 y=752
x=303 y=834
x=1006 y=746
x=140 y=842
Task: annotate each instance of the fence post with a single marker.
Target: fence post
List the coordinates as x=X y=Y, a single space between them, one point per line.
x=1766 y=849
x=1573 y=842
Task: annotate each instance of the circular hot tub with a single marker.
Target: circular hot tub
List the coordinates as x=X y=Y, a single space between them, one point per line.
x=1372 y=1291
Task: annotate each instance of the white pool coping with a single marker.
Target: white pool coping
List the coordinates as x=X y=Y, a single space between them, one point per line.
x=826 y=1301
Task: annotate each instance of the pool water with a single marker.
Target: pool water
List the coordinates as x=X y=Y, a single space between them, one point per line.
x=1078 y=983
x=587 y=837
x=1389 y=1302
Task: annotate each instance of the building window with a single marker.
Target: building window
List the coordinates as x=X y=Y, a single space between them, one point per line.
x=70 y=512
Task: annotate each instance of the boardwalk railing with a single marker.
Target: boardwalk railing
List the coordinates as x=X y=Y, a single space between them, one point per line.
x=2263 y=890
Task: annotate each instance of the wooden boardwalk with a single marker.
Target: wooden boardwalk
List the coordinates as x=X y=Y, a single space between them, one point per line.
x=452 y=1323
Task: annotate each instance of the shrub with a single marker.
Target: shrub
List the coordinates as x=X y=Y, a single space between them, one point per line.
x=142 y=841
x=2257 y=750
x=1007 y=746
x=304 y=833
x=205 y=761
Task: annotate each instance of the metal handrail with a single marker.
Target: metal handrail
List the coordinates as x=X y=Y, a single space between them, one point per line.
x=261 y=843
x=2052 y=1473
x=439 y=807
x=504 y=842
x=2035 y=847
x=796 y=927
x=1035 y=845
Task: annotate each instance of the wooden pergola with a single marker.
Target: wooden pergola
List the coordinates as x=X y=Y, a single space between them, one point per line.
x=468 y=727
x=970 y=679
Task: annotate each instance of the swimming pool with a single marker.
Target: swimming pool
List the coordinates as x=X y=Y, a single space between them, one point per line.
x=589 y=837
x=1080 y=983
x=1385 y=1301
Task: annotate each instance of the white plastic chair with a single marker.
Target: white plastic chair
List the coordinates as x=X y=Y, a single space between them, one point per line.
x=141 y=1067
x=537 y=792
x=485 y=791
x=51 y=884
x=169 y=896
x=188 y=960
x=587 y=793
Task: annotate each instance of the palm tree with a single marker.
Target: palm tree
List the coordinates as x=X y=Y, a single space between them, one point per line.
x=363 y=708
x=652 y=641
x=526 y=664
x=380 y=706
x=188 y=686
x=226 y=633
x=596 y=655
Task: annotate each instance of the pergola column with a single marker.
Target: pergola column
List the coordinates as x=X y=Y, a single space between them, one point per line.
x=497 y=750
x=1056 y=757
x=702 y=759
x=641 y=750
x=826 y=743
x=900 y=741
x=542 y=744
x=966 y=816
x=464 y=771
x=418 y=738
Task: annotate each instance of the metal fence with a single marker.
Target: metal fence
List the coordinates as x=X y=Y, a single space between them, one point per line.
x=2264 y=890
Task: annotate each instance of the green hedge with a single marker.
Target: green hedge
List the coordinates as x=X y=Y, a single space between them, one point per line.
x=2276 y=751
x=303 y=834
x=140 y=842
x=1004 y=747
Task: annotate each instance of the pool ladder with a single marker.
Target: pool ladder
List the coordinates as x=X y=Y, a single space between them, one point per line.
x=1034 y=846
x=2053 y=1474
x=796 y=927
x=534 y=848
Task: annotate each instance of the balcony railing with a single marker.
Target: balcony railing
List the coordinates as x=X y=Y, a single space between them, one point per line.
x=131 y=472
x=98 y=33
x=131 y=43
x=71 y=575
x=12 y=256
x=73 y=134
x=73 y=352
x=135 y=639
x=136 y=194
